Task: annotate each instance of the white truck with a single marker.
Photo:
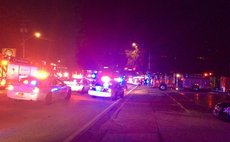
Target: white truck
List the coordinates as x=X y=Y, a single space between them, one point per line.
x=13 y=71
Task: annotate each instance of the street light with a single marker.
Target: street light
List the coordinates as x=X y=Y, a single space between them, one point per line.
x=36 y=35
x=134 y=44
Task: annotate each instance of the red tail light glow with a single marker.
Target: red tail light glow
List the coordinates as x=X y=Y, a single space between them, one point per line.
x=25 y=81
x=10 y=87
x=36 y=90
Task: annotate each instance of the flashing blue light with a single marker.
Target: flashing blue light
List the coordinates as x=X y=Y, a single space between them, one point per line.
x=93 y=75
x=33 y=82
x=106 y=85
x=98 y=88
x=54 y=89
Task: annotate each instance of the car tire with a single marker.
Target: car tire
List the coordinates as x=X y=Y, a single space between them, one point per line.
x=49 y=98
x=68 y=95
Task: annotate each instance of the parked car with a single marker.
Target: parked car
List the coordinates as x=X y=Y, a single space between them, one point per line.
x=32 y=88
x=222 y=111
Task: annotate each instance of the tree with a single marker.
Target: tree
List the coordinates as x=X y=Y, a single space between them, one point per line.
x=133 y=56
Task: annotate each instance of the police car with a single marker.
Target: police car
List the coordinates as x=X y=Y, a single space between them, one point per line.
x=78 y=84
x=107 y=85
x=35 y=89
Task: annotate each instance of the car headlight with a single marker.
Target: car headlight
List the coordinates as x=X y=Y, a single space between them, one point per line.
x=36 y=90
x=10 y=87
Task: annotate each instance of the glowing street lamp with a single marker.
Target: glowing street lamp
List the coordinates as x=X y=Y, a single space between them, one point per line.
x=134 y=44
x=36 y=35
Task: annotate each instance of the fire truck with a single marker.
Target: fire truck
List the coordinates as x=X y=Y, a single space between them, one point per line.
x=225 y=84
x=13 y=69
x=163 y=81
x=180 y=81
x=196 y=82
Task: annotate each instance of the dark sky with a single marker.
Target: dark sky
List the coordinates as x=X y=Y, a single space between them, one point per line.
x=190 y=36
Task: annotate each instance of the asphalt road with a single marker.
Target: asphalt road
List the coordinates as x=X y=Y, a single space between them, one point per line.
x=150 y=115
x=22 y=121
x=146 y=114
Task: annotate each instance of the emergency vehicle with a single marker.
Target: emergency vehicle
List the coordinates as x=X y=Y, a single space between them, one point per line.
x=78 y=82
x=196 y=82
x=107 y=84
x=14 y=69
x=181 y=81
x=163 y=81
x=225 y=84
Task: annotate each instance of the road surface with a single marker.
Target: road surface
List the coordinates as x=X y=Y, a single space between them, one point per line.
x=145 y=114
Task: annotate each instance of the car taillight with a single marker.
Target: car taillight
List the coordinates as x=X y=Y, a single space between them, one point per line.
x=36 y=90
x=25 y=81
x=10 y=87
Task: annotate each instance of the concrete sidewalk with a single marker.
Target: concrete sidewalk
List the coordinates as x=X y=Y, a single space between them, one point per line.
x=134 y=121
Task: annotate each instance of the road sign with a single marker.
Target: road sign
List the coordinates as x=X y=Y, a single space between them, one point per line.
x=9 y=52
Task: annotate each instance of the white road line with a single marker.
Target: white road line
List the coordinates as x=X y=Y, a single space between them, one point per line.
x=122 y=105
x=178 y=103
x=94 y=120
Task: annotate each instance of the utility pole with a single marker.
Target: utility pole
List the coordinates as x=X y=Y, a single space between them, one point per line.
x=24 y=32
x=149 y=61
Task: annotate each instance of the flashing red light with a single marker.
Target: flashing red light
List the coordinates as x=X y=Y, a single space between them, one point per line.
x=25 y=82
x=36 y=90
x=178 y=75
x=205 y=74
x=77 y=76
x=10 y=87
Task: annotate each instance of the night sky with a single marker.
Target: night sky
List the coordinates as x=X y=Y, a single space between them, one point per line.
x=179 y=35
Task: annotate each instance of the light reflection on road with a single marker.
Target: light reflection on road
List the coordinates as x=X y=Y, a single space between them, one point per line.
x=197 y=98
x=210 y=101
x=205 y=99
